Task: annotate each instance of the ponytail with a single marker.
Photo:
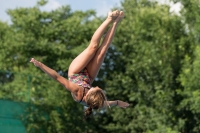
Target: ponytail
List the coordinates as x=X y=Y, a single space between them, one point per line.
x=88 y=112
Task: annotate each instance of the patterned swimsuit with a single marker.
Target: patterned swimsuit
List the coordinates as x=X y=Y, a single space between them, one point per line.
x=82 y=79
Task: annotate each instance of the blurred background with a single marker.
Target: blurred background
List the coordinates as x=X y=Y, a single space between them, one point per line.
x=153 y=63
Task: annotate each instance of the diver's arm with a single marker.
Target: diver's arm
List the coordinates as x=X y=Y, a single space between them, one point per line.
x=118 y=103
x=52 y=73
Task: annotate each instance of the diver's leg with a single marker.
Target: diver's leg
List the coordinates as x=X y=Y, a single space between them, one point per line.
x=82 y=60
x=96 y=62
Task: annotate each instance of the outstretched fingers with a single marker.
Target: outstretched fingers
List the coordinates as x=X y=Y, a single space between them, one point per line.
x=122 y=104
x=35 y=62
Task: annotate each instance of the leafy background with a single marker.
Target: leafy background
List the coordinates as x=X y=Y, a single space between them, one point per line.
x=153 y=64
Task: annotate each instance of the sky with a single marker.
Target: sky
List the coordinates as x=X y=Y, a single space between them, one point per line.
x=102 y=7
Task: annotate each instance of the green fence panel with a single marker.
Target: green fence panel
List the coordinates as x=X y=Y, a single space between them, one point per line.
x=10 y=117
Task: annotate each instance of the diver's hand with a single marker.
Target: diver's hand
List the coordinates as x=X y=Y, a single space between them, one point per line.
x=35 y=62
x=122 y=104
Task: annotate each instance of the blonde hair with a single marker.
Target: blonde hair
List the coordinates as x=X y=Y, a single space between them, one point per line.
x=94 y=100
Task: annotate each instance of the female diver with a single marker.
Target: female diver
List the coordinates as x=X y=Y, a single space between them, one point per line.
x=85 y=67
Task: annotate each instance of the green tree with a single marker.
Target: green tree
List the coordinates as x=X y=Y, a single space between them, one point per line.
x=153 y=64
x=190 y=92
x=189 y=76
x=150 y=45
x=54 y=38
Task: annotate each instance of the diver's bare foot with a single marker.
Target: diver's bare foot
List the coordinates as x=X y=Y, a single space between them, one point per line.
x=113 y=15
x=120 y=17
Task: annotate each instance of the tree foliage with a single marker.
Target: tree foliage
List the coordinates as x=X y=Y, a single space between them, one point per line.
x=152 y=64
x=189 y=76
x=54 y=38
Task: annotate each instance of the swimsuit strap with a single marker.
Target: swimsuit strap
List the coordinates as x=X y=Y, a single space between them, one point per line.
x=83 y=95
